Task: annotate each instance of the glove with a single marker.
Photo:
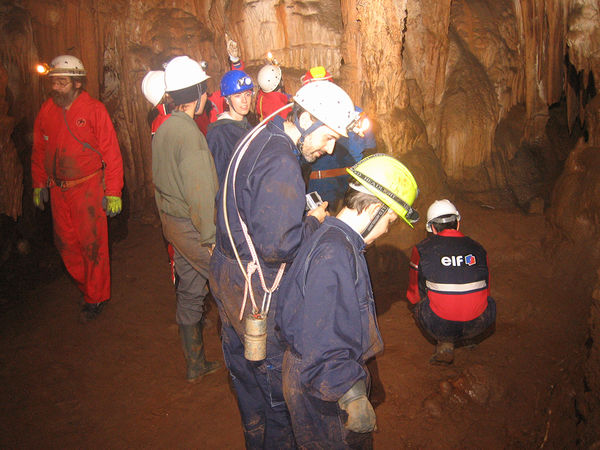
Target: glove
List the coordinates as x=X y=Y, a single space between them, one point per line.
x=361 y=416
x=232 y=49
x=40 y=196
x=112 y=205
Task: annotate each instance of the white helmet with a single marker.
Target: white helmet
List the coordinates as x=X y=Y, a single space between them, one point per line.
x=269 y=77
x=153 y=86
x=66 y=66
x=182 y=72
x=329 y=104
x=438 y=210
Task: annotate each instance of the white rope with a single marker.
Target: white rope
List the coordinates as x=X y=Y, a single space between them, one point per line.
x=254 y=265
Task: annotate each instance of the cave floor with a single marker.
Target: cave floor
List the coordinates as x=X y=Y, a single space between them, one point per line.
x=119 y=382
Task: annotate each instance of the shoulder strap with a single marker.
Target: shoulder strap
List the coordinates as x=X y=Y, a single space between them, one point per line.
x=85 y=144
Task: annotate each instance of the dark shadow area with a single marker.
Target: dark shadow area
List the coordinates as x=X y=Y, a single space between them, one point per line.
x=377 y=396
x=388 y=267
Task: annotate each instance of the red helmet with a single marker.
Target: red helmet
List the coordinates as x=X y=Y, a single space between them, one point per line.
x=317 y=73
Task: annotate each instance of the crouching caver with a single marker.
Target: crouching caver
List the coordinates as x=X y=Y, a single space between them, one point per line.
x=450 y=284
x=326 y=312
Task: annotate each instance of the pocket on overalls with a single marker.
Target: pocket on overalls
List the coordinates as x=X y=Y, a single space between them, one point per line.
x=371 y=338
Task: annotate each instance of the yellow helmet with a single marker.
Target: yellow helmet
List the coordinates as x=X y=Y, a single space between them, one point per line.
x=390 y=181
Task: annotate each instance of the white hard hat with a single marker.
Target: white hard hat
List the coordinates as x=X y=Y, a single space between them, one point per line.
x=66 y=66
x=328 y=103
x=153 y=86
x=441 y=211
x=182 y=72
x=269 y=77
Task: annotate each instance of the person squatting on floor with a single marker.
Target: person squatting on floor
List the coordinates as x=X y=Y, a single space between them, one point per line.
x=450 y=284
x=76 y=164
x=237 y=89
x=326 y=312
x=261 y=222
x=185 y=183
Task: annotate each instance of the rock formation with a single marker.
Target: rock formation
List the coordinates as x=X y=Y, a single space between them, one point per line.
x=464 y=91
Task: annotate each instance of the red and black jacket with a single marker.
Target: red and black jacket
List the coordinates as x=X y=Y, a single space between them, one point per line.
x=451 y=270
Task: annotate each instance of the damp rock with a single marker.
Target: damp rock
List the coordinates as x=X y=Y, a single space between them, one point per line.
x=445 y=388
x=536 y=206
x=478 y=384
x=433 y=405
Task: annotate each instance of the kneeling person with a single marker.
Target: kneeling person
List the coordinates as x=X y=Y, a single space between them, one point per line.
x=326 y=315
x=449 y=282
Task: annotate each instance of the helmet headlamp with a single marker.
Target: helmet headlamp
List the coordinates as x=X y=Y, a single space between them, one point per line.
x=42 y=68
x=360 y=124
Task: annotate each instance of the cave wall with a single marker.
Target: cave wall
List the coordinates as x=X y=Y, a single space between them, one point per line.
x=441 y=76
x=461 y=90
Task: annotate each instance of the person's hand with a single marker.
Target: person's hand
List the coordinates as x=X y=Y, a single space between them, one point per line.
x=112 y=205
x=233 y=50
x=40 y=196
x=361 y=416
x=320 y=212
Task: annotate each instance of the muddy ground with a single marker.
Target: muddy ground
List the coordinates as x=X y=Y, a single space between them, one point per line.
x=119 y=382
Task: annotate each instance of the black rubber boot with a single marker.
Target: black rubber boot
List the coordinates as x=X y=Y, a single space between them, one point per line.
x=444 y=354
x=193 y=349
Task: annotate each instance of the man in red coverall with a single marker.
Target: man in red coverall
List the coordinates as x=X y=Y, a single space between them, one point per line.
x=450 y=283
x=76 y=164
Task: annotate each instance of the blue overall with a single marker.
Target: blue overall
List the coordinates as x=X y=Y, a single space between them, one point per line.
x=270 y=199
x=222 y=136
x=326 y=316
x=347 y=151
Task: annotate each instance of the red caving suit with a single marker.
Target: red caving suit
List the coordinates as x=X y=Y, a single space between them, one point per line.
x=80 y=225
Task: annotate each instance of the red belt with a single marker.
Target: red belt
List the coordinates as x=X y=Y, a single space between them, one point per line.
x=66 y=184
x=319 y=174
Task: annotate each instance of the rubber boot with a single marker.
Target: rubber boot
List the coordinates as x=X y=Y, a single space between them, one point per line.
x=193 y=349
x=444 y=354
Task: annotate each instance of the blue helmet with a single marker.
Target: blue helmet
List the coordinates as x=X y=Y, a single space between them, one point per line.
x=235 y=81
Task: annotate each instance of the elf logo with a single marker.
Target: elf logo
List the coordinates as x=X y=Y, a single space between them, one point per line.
x=457 y=261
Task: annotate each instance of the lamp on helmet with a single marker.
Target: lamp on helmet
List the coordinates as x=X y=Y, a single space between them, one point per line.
x=441 y=211
x=318 y=73
x=390 y=181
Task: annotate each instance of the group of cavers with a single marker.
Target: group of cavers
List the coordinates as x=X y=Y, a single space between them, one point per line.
x=290 y=281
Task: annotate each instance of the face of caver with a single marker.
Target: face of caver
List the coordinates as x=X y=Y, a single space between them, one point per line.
x=382 y=226
x=64 y=91
x=319 y=142
x=240 y=104
x=201 y=104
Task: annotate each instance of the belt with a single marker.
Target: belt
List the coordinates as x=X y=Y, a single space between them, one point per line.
x=66 y=184
x=329 y=173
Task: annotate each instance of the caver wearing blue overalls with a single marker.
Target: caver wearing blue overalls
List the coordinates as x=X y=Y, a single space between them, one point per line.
x=326 y=312
x=231 y=125
x=265 y=186
x=328 y=176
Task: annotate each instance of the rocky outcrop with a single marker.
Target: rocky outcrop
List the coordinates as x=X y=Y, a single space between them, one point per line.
x=442 y=74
